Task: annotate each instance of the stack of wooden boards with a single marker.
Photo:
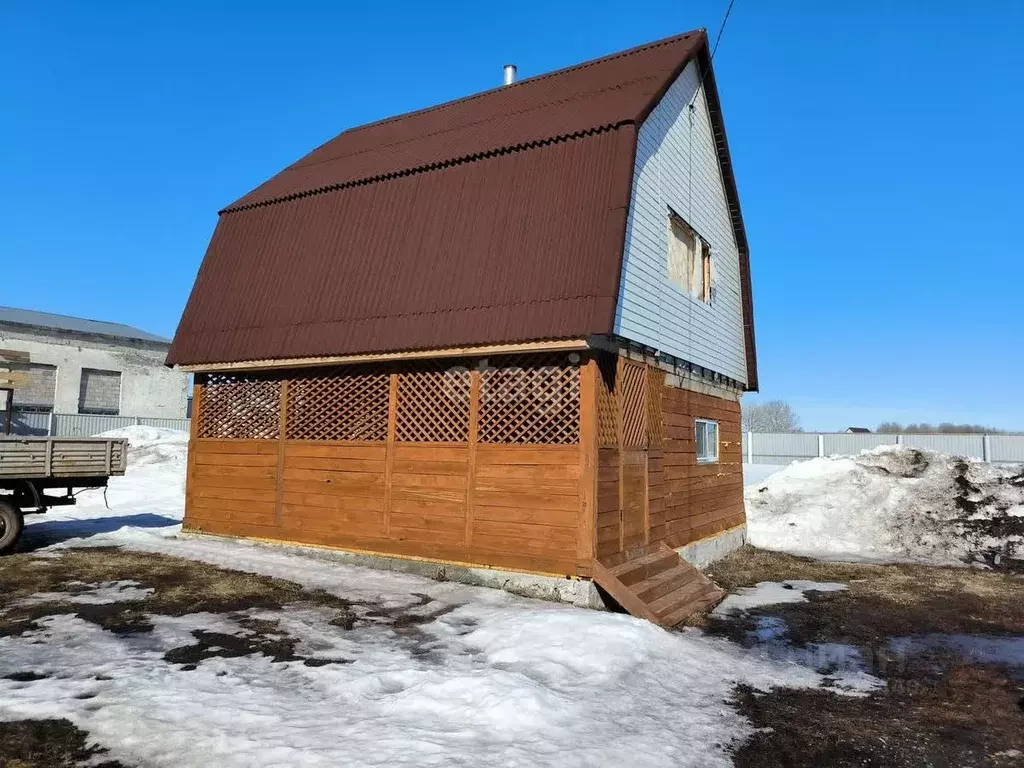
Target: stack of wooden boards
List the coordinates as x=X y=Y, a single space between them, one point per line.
x=656 y=584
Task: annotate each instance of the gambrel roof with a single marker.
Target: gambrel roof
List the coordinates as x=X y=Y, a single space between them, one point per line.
x=497 y=218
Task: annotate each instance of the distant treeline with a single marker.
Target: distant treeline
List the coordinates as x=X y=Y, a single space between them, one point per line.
x=945 y=428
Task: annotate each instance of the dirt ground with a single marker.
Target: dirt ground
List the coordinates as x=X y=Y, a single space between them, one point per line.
x=938 y=708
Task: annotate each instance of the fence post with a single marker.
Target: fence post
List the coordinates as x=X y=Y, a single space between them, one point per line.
x=821 y=446
x=750 y=447
x=986 y=449
x=49 y=424
x=899 y=439
x=136 y=421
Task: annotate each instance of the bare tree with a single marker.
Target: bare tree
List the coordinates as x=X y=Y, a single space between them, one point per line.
x=772 y=416
x=945 y=428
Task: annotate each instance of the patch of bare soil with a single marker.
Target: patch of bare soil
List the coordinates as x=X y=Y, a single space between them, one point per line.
x=48 y=744
x=179 y=587
x=937 y=708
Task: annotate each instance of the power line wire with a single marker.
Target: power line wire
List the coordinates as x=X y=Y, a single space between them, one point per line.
x=714 y=50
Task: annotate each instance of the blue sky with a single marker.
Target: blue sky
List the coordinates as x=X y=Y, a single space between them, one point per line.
x=877 y=147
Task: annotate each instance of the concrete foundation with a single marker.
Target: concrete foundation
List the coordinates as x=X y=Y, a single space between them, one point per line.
x=582 y=593
x=701 y=554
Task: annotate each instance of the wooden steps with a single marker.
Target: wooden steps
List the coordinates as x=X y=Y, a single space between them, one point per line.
x=656 y=584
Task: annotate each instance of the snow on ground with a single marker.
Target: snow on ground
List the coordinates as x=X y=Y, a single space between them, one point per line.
x=104 y=593
x=493 y=679
x=894 y=504
x=772 y=593
x=758 y=473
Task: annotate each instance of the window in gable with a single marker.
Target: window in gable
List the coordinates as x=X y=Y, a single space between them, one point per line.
x=689 y=259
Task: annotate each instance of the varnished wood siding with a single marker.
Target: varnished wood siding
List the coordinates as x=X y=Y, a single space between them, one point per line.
x=699 y=500
x=513 y=507
x=661 y=493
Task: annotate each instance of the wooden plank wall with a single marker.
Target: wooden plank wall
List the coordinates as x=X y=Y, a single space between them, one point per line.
x=662 y=486
x=522 y=507
x=699 y=500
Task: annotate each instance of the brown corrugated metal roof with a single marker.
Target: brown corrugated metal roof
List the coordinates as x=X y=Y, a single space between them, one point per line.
x=495 y=218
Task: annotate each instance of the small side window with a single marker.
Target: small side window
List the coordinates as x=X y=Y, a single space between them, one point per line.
x=707 y=441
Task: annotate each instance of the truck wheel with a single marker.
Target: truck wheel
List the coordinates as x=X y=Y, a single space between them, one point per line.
x=11 y=523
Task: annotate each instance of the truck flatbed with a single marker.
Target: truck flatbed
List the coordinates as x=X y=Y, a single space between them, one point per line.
x=29 y=466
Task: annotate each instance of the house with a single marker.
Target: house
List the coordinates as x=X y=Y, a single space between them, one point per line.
x=64 y=364
x=506 y=332
x=858 y=431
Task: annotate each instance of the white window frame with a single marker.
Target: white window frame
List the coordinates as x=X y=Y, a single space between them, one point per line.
x=699 y=426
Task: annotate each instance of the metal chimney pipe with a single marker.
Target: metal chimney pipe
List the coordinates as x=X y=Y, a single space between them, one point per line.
x=510 y=74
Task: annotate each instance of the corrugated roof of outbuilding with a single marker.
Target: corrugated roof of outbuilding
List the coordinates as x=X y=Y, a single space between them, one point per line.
x=496 y=218
x=35 y=319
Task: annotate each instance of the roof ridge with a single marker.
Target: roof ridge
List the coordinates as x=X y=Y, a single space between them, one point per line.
x=459 y=160
x=524 y=81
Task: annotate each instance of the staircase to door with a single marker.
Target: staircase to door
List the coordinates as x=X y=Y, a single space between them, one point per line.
x=654 y=583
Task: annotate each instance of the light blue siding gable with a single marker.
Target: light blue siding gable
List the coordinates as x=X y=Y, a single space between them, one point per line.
x=677 y=168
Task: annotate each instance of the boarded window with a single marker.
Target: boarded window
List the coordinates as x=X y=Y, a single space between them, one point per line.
x=689 y=259
x=100 y=392
x=706 y=433
x=36 y=394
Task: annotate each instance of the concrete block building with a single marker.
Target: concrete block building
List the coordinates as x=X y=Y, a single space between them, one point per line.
x=90 y=367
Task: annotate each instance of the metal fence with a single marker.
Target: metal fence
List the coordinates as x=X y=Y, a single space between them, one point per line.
x=82 y=425
x=784 y=447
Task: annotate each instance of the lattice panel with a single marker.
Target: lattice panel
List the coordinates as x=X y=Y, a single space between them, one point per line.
x=535 y=404
x=349 y=404
x=631 y=392
x=240 y=407
x=607 y=410
x=433 y=406
x=655 y=415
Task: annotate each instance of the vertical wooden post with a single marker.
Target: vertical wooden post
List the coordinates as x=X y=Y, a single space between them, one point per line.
x=586 y=521
x=474 y=434
x=619 y=438
x=197 y=414
x=646 y=441
x=283 y=418
x=389 y=451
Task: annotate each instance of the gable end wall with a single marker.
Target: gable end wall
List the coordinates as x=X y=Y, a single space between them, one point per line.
x=677 y=166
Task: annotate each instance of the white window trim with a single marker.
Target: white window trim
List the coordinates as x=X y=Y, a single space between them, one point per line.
x=706 y=459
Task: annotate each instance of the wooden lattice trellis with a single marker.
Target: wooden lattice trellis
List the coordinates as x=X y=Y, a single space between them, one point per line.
x=607 y=409
x=530 y=401
x=240 y=407
x=346 y=404
x=631 y=393
x=433 y=406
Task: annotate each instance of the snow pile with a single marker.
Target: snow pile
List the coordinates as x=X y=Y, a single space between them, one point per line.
x=894 y=504
x=149 y=498
x=152 y=445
